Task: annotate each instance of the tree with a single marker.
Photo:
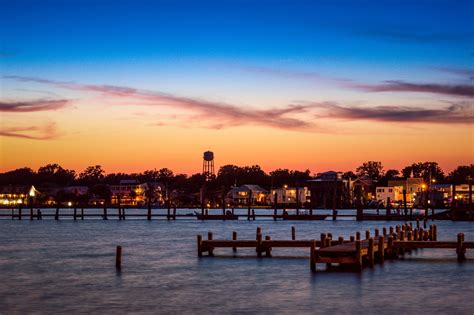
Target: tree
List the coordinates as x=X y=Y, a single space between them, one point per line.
x=92 y=175
x=20 y=176
x=372 y=169
x=461 y=174
x=427 y=170
x=54 y=173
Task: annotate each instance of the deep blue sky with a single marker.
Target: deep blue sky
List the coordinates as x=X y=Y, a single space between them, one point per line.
x=429 y=32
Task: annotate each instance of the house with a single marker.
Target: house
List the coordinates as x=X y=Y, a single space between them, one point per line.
x=329 y=190
x=462 y=193
x=395 y=193
x=440 y=195
x=15 y=195
x=287 y=195
x=363 y=189
x=128 y=192
x=240 y=195
x=414 y=187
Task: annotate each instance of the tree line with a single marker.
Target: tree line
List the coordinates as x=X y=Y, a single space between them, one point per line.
x=227 y=176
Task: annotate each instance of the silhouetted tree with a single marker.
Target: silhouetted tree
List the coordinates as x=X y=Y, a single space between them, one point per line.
x=20 y=176
x=372 y=169
x=461 y=173
x=425 y=170
x=54 y=173
x=92 y=175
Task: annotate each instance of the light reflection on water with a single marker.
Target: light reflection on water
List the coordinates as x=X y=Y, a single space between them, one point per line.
x=65 y=266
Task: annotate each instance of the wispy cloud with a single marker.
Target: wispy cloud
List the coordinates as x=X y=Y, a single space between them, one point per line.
x=403 y=86
x=384 y=86
x=32 y=106
x=46 y=132
x=461 y=113
x=225 y=114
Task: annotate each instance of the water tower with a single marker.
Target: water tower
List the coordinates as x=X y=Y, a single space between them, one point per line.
x=208 y=164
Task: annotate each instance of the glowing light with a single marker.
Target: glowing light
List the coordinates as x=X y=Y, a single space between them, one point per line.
x=69 y=204
x=32 y=192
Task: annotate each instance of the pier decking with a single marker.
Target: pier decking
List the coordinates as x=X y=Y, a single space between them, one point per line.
x=354 y=252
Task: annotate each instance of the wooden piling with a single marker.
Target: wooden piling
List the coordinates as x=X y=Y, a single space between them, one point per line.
x=56 y=214
x=148 y=215
x=313 y=256
x=75 y=214
x=435 y=232
x=118 y=257
x=293 y=233
x=209 y=237
x=357 y=236
x=367 y=234
x=376 y=233
x=323 y=240
x=460 y=250
x=275 y=207
x=105 y=213
x=259 y=245
x=199 y=245
x=234 y=238
x=352 y=238
x=370 y=254
x=82 y=213
x=384 y=231
x=268 y=250
x=390 y=246
x=358 y=249
x=259 y=231
x=381 y=249
x=417 y=223
x=340 y=240
x=19 y=213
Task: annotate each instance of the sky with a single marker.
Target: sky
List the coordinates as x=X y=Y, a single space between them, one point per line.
x=319 y=85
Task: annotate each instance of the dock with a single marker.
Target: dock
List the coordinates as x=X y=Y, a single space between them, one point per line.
x=354 y=252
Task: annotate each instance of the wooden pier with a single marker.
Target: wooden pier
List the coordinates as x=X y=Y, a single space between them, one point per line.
x=354 y=252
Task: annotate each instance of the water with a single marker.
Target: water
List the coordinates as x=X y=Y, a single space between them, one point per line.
x=68 y=266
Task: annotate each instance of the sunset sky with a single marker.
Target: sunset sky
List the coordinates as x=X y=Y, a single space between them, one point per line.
x=319 y=85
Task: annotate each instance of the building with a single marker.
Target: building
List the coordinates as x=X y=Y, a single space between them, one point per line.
x=363 y=190
x=395 y=193
x=240 y=195
x=462 y=193
x=415 y=188
x=128 y=192
x=329 y=190
x=287 y=195
x=440 y=195
x=16 y=195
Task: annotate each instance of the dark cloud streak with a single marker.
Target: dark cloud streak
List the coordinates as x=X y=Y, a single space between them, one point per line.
x=32 y=106
x=454 y=114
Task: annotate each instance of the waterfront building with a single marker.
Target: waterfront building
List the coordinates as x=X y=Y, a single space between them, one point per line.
x=415 y=188
x=329 y=189
x=395 y=193
x=287 y=195
x=128 y=192
x=15 y=195
x=240 y=195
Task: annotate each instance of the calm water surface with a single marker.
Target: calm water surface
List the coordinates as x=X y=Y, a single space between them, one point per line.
x=68 y=266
